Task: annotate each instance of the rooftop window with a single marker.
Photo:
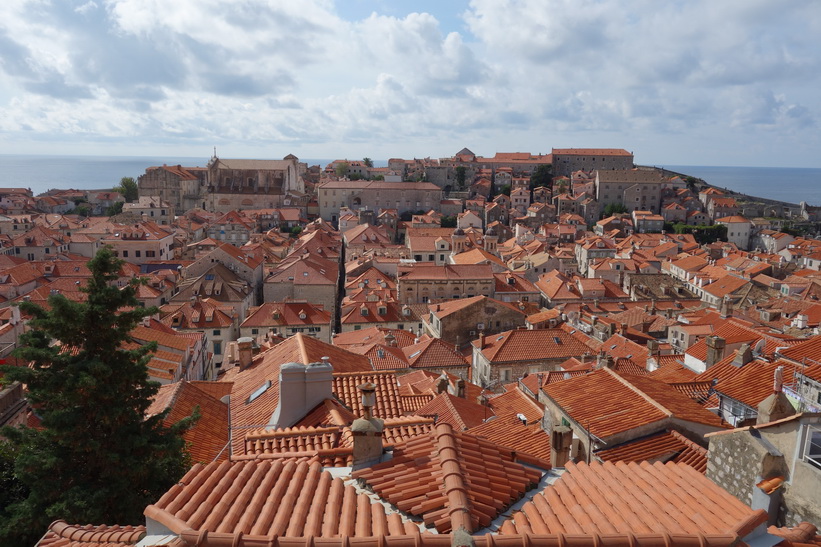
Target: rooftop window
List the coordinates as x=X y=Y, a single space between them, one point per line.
x=262 y=389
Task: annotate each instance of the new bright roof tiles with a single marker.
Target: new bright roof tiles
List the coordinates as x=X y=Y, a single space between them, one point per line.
x=452 y=480
x=271 y=498
x=618 y=498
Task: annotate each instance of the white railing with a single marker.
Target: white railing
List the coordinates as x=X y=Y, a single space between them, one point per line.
x=813 y=453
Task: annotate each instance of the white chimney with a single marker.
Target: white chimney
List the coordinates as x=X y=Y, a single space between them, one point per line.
x=301 y=388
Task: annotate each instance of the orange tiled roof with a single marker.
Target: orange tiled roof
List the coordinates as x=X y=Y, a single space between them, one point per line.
x=412 y=403
x=271 y=498
x=433 y=353
x=665 y=446
x=618 y=408
x=388 y=402
x=675 y=402
x=521 y=344
x=383 y=357
x=450 y=479
x=62 y=534
x=508 y=431
x=680 y=501
x=207 y=440
x=425 y=381
x=328 y=412
x=515 y=402
x=459 y=413
x=371 y=335
x=753 y=382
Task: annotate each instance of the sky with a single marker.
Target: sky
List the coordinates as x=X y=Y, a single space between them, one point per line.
x=695 y=82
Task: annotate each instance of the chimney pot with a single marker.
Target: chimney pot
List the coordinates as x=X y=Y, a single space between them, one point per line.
x=368 y=391
x=246 y=352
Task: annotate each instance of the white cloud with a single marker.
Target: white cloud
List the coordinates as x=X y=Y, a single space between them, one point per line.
x=528 y=74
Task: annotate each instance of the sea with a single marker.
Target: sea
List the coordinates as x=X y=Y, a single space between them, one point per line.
x=41 y=173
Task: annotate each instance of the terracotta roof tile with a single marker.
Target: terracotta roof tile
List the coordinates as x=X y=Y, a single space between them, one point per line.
x=207 y=440
x=434 y=353
x=270 y=498
x=388 y=402
x=660 y=447
x=618 y=408
x=637 y=498
x=62 y=534
x=521 y=344
x=517 y=402
x=459 y=413
x=425 y=382
x=678 y=404
x=450 y=479
x=328 y=412
x=508 y=431
x=754 y=381
x=373 y=335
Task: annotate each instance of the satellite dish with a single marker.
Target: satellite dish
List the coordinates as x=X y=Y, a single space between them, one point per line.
x=573 y=315
x=759 y=347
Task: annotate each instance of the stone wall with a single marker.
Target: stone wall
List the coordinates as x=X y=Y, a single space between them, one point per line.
x=737 y=461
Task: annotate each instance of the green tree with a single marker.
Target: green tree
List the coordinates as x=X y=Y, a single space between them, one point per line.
x=368 y=162
x=83 y=209
x=128 y=188
x=541 y=176
x=98 y=459
x=448 y=222
x=562 y=187
x=460 y=177
x=341 y=169
x=614 y=208
x=114 y=209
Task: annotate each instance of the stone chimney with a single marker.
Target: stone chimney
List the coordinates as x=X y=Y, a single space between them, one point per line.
x=442 y=384
x=777 y=405
x=246 y=352
x=655 y=353
x=367 y=430
x=301 y=388
x=743 y=355
x=604 y=361
x=715 y=350
x=726 y=308
x=460 y=388
x=561 y=439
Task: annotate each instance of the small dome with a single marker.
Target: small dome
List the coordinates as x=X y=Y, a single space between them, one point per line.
x=490 y=232
x=458 y=232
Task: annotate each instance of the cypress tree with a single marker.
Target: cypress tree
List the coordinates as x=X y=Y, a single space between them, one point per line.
x=97 y=459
